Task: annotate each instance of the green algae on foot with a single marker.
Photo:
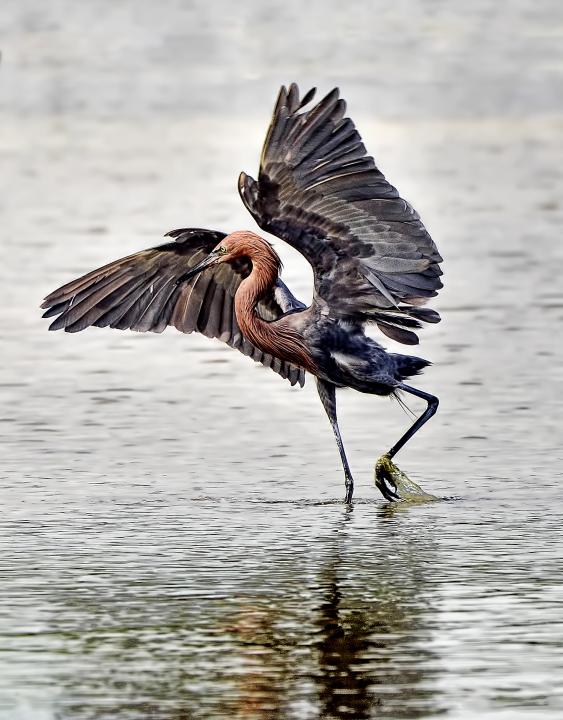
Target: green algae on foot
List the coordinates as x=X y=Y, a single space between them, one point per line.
x=395 y=485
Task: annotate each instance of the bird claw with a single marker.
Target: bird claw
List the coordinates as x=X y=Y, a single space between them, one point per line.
x=395 y=485
x=385 y=473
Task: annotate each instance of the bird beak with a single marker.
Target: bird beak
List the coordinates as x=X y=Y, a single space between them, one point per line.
x=211 y=259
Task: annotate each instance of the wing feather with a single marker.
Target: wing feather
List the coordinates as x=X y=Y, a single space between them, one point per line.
x=319 y=190
x=140 y=292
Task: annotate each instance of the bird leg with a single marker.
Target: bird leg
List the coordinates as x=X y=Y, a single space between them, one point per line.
x=388 y=478
x=327 y=394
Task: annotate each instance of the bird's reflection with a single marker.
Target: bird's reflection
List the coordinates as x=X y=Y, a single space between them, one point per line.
x=353 y=641
x=262 y=666
x=372 y=647
x=370 y=656
x=343 y=688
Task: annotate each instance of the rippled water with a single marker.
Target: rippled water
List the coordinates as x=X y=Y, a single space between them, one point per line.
x=172 y=539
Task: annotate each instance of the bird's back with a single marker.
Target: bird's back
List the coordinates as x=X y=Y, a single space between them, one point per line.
x=346 y=357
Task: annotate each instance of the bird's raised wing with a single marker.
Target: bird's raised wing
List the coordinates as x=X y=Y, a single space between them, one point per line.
x=141 y=292
x=318 y=190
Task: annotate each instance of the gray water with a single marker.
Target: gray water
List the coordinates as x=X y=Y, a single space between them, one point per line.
x=173 y=544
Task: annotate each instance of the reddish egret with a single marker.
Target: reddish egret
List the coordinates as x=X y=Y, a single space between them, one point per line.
x=373 y=262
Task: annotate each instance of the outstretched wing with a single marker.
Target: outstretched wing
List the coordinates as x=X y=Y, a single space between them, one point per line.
x=141 y=292
x=318 y=190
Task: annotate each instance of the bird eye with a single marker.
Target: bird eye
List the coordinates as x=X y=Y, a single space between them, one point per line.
x=221 y=250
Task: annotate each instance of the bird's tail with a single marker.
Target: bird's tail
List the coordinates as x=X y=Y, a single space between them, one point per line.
x=407 y=365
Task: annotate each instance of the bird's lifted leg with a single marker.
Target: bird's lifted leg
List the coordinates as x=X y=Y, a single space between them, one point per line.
x=387 y=474
x=327 y=394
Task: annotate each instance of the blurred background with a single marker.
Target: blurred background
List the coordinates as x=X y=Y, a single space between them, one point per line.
x=172 y=541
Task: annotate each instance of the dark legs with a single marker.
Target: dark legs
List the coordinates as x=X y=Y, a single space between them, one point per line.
x=327 y=394
x=384 y=476
x=426 y=415
x=385 y=471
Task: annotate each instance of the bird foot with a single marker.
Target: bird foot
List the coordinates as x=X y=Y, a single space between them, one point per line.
x=395 y=485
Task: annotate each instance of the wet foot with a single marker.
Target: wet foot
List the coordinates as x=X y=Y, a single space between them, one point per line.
x=395 y=485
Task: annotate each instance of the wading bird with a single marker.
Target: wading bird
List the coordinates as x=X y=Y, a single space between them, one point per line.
x=373 y=262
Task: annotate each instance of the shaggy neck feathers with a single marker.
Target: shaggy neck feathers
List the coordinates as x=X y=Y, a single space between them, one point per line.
x=276 y=338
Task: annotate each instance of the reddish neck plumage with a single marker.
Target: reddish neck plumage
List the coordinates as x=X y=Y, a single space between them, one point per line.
x=275 y=338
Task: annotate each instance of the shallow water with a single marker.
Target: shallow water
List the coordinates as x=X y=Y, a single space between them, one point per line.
x=172 y=539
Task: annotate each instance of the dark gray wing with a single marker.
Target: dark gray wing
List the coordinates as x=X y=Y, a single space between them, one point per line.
x=318 y=190
x=140 y=292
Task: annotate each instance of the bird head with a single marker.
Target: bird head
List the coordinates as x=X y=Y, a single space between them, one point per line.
x=216 y=256
x=238 y=244
x=241 y=243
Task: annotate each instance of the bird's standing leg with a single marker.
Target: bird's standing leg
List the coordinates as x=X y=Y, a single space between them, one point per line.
x=386 y=470
x=327 y=394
